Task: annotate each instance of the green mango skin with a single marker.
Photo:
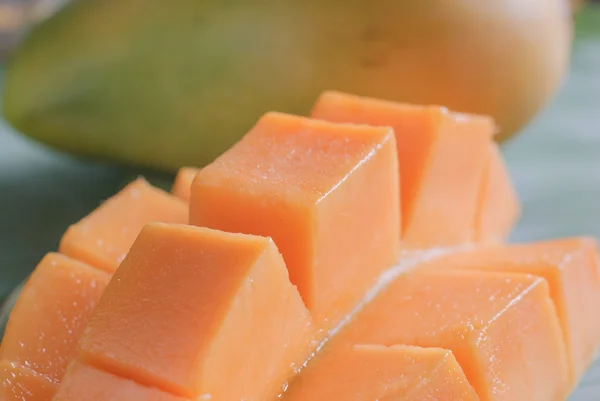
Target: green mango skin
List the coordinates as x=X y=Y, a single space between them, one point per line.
x=151 y=82
x=163 y=84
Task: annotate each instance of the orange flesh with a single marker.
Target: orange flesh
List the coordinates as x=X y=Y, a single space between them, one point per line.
x=499 y=206
x=18 y=383
x=326 y=193
x=52 y=311
x=439 y=186
x=570 y=267
x=502 y=329
x=50 y=315
x=103 y=238
x=371 y=372
x=189 y=304
x=182 y=187
x=86 y=383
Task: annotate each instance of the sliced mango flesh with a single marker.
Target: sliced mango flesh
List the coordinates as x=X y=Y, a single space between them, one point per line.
x=502 y=329
x=499 y=207
x=87 y=383
x=571 y=269
x=182 y=186
x=18 y=383
x=442 y=157
x=279 y=288
x=326 y=193
x=233 y=302
x=375 y=372
x=52 y=311
x=103 y=238
x=51 y=314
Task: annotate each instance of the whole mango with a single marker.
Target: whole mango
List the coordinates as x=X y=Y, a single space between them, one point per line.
x=163 y=84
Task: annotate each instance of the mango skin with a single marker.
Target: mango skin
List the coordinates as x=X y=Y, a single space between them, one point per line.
x=577 y=5
x=163 y=84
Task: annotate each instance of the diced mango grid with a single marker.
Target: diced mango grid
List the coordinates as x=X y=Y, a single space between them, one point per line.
x=545 y=292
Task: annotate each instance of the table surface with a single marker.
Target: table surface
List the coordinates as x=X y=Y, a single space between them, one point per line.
x=555 y=163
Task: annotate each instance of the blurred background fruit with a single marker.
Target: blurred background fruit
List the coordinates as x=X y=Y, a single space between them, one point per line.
x=577 y=4
x=164 y=84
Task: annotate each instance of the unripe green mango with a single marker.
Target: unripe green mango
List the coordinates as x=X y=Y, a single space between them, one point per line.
x=163 y=84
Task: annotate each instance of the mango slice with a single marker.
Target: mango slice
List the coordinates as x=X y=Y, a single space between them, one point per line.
x=189 y=304
x=374 y=372
x=499 y=206
x=439 y=185
x=51 y=314
x=502 y=329
x=571 y=269
x=182 y=186
x=103 y=238
x=326 y=193
x=53 y=308
x=85 y=382
x=18 y=383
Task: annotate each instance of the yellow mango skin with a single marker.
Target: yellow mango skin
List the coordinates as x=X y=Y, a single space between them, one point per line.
x=164 y=84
